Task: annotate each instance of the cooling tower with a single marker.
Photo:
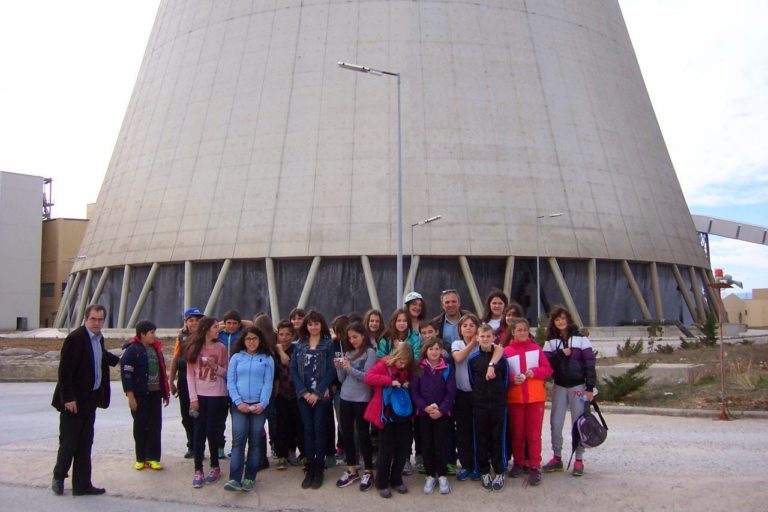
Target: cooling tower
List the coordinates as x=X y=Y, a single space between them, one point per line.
x=252 y=172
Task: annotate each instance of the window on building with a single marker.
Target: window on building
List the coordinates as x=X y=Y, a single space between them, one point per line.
x=47 y=289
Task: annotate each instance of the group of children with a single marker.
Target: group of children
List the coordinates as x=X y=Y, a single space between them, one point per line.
x=478 y=399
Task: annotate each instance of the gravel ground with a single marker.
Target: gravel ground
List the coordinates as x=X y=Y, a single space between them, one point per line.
x=648 y=463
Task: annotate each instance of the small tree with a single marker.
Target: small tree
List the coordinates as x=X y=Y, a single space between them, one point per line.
x=541 y=331
x=616 y=388
x=709 y=329
x=630 y=348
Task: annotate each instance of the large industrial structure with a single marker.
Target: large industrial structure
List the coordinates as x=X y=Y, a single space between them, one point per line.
x=252 y=172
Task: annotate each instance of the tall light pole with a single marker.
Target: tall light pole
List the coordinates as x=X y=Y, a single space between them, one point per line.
x=538 y=274
x=421 y=223
x=379 y=72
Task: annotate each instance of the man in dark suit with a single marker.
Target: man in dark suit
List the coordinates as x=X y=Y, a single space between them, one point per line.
x=83 y=386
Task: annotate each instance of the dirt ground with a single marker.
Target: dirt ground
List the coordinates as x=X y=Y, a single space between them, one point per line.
x=746 y=379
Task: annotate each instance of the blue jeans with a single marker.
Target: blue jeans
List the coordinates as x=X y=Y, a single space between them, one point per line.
x=314 y=421
x=246 y=428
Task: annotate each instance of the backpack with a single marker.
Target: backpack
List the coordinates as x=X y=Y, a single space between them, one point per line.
x=587 y=430
x=397 y=405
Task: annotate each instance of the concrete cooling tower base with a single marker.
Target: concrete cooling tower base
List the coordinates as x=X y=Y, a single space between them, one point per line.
x=625 y=292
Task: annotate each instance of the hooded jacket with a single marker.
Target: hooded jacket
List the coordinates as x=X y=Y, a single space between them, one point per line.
x=434 y=385
x=134 y=368
x=521 y=357
x=379 y=377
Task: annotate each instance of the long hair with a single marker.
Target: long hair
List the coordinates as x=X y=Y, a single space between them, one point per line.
x=339 y=327
x=265 y=325
x=197 y=340
x=494 y=294
x=552 y=331
x=403 y=352
x=423 y=313
x=392 y=333
x=314 y=316
x=264 y=346
x=346 y=346
x=380 y=332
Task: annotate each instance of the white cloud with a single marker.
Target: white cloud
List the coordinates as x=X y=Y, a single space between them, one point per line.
x=704 y=65
x=746 y=262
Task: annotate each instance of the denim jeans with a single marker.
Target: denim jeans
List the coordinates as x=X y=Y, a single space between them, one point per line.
x=246 y=428
x=314 y=421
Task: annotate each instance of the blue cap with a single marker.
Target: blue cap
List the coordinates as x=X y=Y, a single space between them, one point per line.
x=192 y=312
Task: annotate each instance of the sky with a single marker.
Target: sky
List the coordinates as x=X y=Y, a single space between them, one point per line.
x=67 y=70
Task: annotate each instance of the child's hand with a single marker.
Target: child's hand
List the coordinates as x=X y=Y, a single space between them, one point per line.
x=243 y=408
x=567 y=352
x=491 y=373
x=435 y=414
x=519 y=378
x=396 y=384
x=345 y=364
x=529 y=374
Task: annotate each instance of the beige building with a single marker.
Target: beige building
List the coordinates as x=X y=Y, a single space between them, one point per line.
x=61 y=240
x=751 y=312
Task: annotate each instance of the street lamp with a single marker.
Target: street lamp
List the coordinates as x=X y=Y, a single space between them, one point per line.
x=421 y=223
x=538 y=274
x=379 y=72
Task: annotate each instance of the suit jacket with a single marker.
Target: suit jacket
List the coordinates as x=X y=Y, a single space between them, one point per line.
x=76 y=373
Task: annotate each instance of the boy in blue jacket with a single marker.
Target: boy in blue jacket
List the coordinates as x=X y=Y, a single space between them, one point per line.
x=145 y=382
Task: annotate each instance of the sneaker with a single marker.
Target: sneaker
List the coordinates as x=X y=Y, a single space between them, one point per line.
x=534 y=477
x=578 y=468
x=247 y=484
x=463 y=475
x=366 y=482
x=197 y=480
x=347 y=478
x=442 y=481
x=401 y=489
x=526 y=469
x=153 y=464
x=222 y=455
x=213 y=476
x=420 y=465
x=138 y=466
x=429 y=485
x=407 y=468
x=330 y=461
x=485 y=480
x=282 y=463
x=475 y=475
x=516 y=471
x=555 y=464
x=340 y=454
x=294 y=461
x=450 y=469
x=189 y=455
x=498 y=482
x=233 y=485
x=385 y=493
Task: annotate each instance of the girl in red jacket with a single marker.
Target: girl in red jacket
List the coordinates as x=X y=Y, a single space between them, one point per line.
x=528 y=369
x=394 y=437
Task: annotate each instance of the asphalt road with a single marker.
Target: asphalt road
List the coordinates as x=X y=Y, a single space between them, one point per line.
x=648 y=463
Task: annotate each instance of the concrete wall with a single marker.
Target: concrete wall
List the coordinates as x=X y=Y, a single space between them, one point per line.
x=21 y=203
x=751 y=312
x=243 y=139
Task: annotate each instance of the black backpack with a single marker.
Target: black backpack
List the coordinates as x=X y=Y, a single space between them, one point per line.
x=587 y=430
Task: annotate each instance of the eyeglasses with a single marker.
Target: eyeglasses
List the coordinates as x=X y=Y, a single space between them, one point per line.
x=449 y=290
x=251 y=338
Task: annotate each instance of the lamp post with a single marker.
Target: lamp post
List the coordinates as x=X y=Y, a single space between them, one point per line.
x=723 y=282
x=421 y=223
x=538 y=274
x=379 y=72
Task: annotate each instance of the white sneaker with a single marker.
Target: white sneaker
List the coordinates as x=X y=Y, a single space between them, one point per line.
x=444 y=487
x=407 y=468
x=429 y=485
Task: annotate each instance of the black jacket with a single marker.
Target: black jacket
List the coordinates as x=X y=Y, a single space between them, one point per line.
x=76 y=373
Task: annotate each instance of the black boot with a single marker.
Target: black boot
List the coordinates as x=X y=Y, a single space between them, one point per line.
x=317 y=479
x=309 y=475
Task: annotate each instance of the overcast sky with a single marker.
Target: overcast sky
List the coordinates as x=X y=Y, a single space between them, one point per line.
x=67 y=70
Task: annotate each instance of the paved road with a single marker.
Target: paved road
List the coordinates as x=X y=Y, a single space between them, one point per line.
x=649 y=463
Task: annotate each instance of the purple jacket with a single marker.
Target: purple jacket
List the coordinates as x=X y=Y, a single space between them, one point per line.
x=433 y=386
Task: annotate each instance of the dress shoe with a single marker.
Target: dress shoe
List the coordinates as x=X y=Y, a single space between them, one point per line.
x=88 y=491
x=57 y=486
